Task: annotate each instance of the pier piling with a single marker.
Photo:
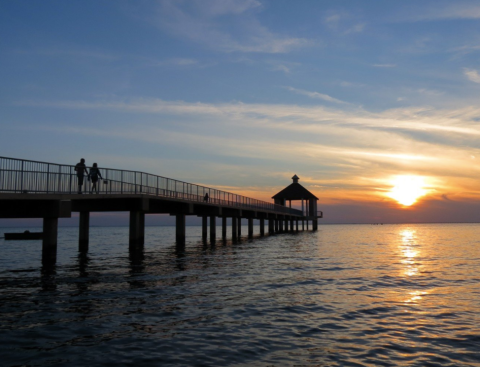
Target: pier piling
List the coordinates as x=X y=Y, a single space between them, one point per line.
x=213 y=228
x=84 y=231
x=180 y=228
x=204 y=227
x=239 y=227
x=224 y=227
x=234 y=227
x=271 y=226
x=50 y=238
x=137 y=229
x=250 y=227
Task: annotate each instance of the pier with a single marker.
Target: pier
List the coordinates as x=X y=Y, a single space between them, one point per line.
x=31 y=189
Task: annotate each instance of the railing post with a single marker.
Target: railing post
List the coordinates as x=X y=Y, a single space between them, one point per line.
x=71 y=176
x=21 y=178
x=48 y=176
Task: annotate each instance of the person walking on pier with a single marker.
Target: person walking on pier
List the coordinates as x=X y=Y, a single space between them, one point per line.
x=206 y=197
x=80 y=168
x=94 y=174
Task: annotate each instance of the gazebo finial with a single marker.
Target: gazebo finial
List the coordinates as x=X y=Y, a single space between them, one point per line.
x=295 y=179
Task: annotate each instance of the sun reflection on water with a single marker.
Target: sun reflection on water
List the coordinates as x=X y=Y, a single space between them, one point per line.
x=409 y=252
x=415 y=296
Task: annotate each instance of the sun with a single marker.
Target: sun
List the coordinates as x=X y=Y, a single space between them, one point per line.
x=407 y=189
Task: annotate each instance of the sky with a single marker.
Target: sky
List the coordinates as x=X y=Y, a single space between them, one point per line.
x=353 y=96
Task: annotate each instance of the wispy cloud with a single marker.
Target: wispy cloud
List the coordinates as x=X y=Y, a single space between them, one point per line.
x=384 y=65
x=344 y=24
x=316 y=95
x=352 y=146
x=472 y=75
x=443 y=11
x=283 y=66
x=69 y=51
x=204 y=22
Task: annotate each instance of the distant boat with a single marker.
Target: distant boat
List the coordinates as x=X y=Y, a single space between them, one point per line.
x=27 y=235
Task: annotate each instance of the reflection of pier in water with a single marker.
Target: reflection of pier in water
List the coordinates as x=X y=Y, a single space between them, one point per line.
x=30 y=189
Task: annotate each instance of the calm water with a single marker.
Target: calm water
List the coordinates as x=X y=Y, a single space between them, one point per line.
x=347 y=295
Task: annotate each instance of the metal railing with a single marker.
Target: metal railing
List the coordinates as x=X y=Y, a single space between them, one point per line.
x=25 y=176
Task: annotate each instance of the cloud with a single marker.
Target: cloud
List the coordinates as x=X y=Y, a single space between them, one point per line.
x=68 y=51
x=342 y=23
x=348 y=153
x=385 y=65
x=472 y=75
x=357 y=28
x=456 y=10
x=225 y=25
x=316 y=95
x=283 y=66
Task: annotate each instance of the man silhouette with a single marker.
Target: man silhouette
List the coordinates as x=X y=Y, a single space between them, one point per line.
x=80 y=168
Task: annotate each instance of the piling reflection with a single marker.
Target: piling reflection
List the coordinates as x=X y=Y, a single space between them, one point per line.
x=137 y=267
x=48 y=276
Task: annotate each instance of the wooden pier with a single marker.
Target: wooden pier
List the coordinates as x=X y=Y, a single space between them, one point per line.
x=30 y=189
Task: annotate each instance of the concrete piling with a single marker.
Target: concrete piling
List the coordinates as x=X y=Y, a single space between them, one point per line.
x=250 y=227
x=180 y=228
x=213 y=228
x=83 y=231
x=224 y=227
x=50 y=238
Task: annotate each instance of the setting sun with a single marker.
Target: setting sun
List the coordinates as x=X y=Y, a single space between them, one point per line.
x=407 y=189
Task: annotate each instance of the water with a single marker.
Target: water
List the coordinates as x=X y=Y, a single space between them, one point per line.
x=347 y=295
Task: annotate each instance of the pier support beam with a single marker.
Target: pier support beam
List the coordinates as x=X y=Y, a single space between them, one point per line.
x=315 y=224
x=296 y=225
x=307 y=224
x=180 y=228
x=137 y=229
x=234 y=227
x=291 y=225
x=303 y=225
x=276 y=225
x=204 y=227
x=239 y=227
x=250 y=227
x=224 y=227
x=262 y=227
x=50 y=237
x=280 y=225
x=213 y=228
x=83 y=231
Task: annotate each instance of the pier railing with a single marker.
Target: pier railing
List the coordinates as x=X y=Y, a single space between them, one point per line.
x=26 y=176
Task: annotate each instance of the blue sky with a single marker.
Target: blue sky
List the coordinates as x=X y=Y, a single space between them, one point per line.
x=243 y=94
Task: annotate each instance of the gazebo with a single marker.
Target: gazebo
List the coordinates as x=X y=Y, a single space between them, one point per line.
x=295 y=191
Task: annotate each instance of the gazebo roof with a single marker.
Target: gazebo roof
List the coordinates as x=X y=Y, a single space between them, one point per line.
x=294 y=191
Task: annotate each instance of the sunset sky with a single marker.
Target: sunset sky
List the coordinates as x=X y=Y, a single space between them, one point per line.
x=355 y=97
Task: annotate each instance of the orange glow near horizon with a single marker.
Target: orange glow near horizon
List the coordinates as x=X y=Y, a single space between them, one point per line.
x=407 y=189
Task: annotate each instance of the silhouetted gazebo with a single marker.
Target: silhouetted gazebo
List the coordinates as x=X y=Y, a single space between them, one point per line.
x=295 y=191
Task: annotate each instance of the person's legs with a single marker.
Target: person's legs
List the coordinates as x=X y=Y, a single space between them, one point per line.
x=80 y=184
